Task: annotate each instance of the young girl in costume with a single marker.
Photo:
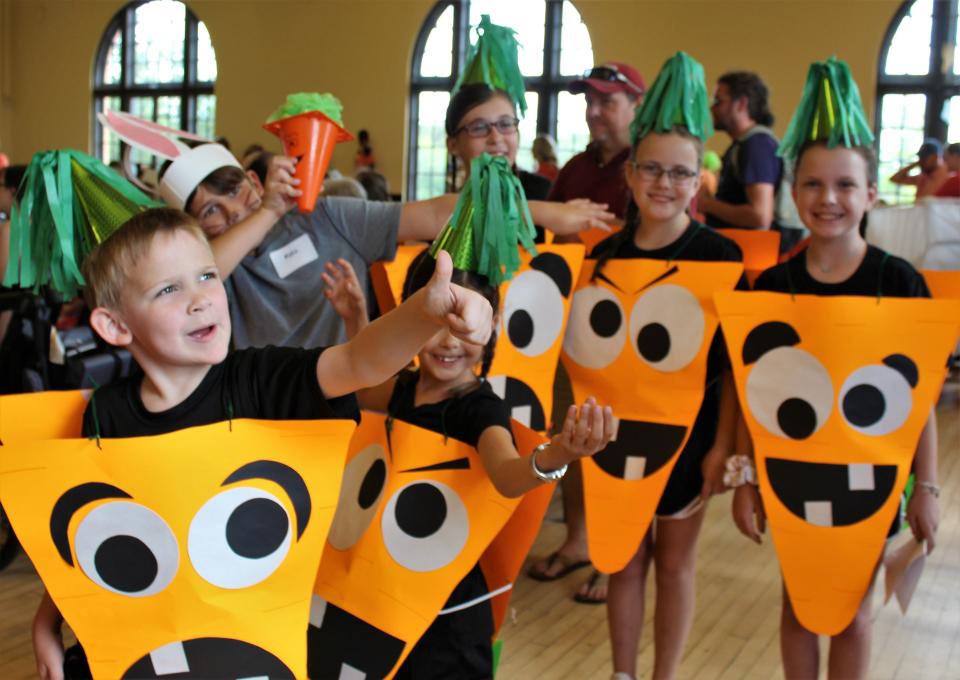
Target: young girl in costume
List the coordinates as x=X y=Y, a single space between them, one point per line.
x=835 y=185
x=663 y=176
x=447 y=394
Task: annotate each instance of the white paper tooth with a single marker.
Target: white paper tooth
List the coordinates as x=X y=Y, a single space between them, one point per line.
x=318 y=608
x=819 y=513
x=522 y=414
x=633 y=467
x=255 y=677
x=861 y=477
x=348 y=672
x=170 y=659
x=498 y=383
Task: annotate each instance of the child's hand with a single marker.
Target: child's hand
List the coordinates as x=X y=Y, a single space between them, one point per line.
x=580 y=214
x=748 y=512
x=713 y=467
x=585 y=431
x=923 y=515
x=48 y=649
x=344 y=293
x=466 y=313
x=280 y=190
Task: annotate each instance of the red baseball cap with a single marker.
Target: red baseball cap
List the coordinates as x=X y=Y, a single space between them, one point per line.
x=611 y=77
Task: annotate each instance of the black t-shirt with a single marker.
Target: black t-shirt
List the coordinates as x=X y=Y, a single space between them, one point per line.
x=879 y=274
x=270 y=383
x=701 y=244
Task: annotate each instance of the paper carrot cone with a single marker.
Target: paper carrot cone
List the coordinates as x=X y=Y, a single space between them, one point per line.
x=309 y=137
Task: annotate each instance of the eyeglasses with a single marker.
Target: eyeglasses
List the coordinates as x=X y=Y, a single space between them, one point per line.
x=652 y=172
x=610 y=74
x=481 y=128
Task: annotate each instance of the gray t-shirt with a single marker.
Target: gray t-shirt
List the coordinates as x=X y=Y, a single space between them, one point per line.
x=276 y=294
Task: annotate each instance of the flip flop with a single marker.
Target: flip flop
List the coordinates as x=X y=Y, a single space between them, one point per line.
x=594 y=579
x=569 y=565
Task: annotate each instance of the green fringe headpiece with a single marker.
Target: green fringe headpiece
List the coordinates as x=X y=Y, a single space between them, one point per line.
x=493 y=62
x=70 y=203
x=678 y=97
x=302 y=102
x=490 y=220
x=829 y=111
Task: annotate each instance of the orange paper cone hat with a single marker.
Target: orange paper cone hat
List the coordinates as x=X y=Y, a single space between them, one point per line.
x=309 y=135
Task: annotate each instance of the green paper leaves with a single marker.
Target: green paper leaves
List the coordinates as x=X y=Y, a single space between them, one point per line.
x=491 y=219
x=71 y=202
x=493 y=62
x=678 y=97
x=301 y=102
x=830 y=111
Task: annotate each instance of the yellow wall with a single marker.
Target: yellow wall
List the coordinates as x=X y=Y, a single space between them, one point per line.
x=361 y=50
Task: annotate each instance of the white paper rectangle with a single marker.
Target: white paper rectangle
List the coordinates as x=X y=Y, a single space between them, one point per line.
x=860 y=476
x=633 y=467
x=819 y=513
x=170 y=659
x=521 y=414
x=291 y=257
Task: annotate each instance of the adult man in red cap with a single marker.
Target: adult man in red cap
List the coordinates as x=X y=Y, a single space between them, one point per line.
x=613 y=92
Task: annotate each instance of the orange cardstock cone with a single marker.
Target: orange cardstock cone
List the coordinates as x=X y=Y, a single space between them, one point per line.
x=309 y=137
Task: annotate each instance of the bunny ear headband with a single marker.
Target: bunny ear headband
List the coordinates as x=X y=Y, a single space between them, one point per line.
x=190 y=166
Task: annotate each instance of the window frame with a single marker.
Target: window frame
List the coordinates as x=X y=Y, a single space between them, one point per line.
x=548 y=86
x=188 y=89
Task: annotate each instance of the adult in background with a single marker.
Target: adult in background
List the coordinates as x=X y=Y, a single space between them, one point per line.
x=932 y=170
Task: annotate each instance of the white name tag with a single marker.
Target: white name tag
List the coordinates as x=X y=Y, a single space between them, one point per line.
x=298 y=253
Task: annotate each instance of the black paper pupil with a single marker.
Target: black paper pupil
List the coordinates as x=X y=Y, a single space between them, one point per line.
x=797 y=418
x=653 y=342
x=864 y=405
x=126 y=563
x=256 y=528
x=421 y=510
x=372 y=484
x=520 y=328
x=605 y=318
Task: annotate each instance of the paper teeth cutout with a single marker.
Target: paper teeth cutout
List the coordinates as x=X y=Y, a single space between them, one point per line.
x=318 y=609
x=170 y=659
x=634 y=467
x=819 y=513
x=861 y=477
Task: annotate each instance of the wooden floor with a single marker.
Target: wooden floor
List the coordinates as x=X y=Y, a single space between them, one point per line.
x=735 y=632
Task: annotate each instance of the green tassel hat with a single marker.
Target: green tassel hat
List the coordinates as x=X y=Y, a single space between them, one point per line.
x=678 y=97
x=830 y=111
x=490 y=221
x=493 y=61
x=71 y=202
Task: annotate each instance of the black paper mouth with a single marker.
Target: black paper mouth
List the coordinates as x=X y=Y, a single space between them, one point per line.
x=640 y=449
x=525 y=406
x=831 y=495
x=346 y=646
x=209 y=658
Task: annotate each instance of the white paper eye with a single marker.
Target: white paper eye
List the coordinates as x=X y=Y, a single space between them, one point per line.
x=667 y=327
x=364 y=479
x=596 y=329
x=425 y=526
x=239 y=537
x=790 y=393
x=875 y=400
x=533 y=313
x=127 y=548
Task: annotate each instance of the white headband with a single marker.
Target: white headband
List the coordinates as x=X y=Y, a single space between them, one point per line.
x=187 y=170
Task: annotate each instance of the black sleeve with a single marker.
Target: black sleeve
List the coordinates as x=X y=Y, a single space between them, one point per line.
x=902 y=280
x=477 y=411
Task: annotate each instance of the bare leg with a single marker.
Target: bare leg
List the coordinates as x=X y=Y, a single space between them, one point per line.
x=849 y=657
x=625 y=608
x=798 y=646
x=675 y=549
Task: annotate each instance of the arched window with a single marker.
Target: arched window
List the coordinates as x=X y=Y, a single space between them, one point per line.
x=918 y=88
x=156 y=61
x=556 y=49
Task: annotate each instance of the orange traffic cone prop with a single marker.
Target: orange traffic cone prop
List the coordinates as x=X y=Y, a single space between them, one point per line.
x=309 y=137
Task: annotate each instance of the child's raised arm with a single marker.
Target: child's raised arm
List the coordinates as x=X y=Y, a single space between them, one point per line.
x=47 y=640
x=388 y=344
x=344 y=293
x=923 y=510
x=585 y=431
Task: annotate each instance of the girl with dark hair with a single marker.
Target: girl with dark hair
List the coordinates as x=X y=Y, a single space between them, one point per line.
x=449 y=394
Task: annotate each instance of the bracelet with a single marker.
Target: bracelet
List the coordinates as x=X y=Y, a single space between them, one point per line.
x=739 y=470
x=552 y=475
x=929 y=487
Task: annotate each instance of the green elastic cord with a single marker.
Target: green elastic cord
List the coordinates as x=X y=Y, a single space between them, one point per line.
x=678 y=97
x=883 y=263
x=489 y=222
x=493 y=61
x=230 y=414
x=93 y=408
x=830 y=111
x=675 y=255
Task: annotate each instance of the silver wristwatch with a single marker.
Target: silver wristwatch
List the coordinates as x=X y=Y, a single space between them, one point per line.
x=553 y=475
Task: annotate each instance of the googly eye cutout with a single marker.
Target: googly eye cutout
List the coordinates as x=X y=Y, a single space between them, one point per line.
x=239 y=537
x=875 y=400
x=596 y=329
x=533 y=313
x=425 y=526
x=667 y=327
x=790 y=393
x=361 y=491
x=127 y=548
